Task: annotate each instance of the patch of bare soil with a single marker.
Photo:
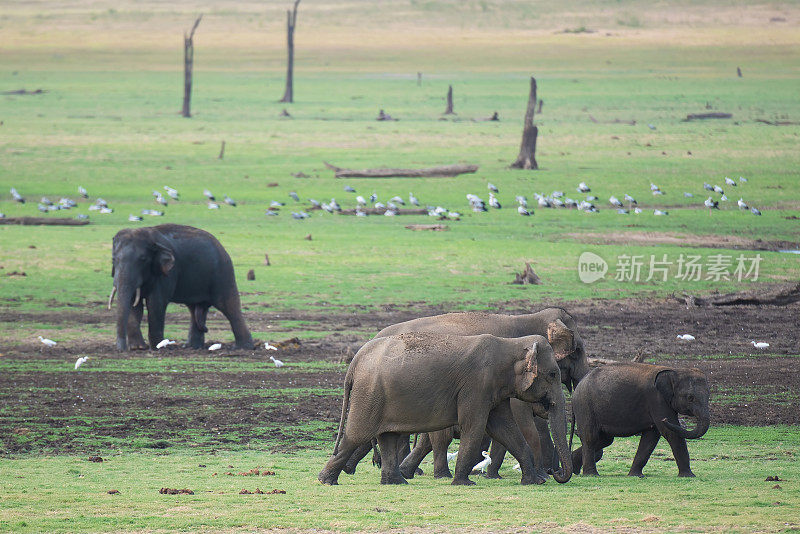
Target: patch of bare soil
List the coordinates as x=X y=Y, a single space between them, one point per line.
x=678 y=239
x=233 y=407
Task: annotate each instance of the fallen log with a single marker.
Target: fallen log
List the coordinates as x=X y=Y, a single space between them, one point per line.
x=24 y=92
x=780 y=296
x=431 y=227
x=704 y=116
x=44 y=221
x=777 y=123
x=427 y=172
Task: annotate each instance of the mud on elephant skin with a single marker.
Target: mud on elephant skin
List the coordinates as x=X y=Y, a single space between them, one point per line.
x=625 y=399
x=157 y=265
x=422 y=382
x=561 y=331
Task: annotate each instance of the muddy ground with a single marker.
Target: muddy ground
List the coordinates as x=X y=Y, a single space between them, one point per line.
x=204 y=404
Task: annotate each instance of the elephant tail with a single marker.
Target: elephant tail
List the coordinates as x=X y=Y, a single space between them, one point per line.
x=348 y=385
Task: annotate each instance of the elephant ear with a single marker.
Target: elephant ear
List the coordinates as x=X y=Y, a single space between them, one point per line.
x=526 y=369
x=164 y=259
x=561 y=338
x=665 y=384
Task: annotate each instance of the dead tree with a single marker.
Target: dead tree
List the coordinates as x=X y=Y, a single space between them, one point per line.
x=188 y=64
x=221 y=150
x=739 y=72
x=291 y=20
x=449 y=110
x=527 y=150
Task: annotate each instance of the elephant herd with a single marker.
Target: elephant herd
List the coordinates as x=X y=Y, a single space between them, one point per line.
x=481 y=376
x=475 y=376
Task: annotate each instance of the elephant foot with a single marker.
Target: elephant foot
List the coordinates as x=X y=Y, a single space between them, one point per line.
x=328 y=479
x=687 y=474
x=590 y=473
x=442 y=474
x=462 y=482
x=245 y=345
x=393 y=479
x=418 y=471
x=536 y=479
x=633 y=473
x=492 y=474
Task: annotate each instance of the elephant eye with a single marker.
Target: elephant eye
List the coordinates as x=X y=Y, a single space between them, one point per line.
x=690 y=398
x=553 y=374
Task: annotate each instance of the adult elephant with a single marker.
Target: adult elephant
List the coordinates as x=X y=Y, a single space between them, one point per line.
x=624 y=399
x=172 y=263
x=556 y=324
x=423 y=382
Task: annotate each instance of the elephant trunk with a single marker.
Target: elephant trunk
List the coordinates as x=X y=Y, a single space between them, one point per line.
x=703 y=421
x=558 y=428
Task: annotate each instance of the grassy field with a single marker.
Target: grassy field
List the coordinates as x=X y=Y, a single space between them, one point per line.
x=109 y=121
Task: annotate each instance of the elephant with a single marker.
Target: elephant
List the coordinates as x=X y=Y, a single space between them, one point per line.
x=423 y=382
x=172 y=263
x=623 y=399
x=561 y=331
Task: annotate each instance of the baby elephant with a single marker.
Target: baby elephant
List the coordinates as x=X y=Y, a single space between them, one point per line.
x=620 y=400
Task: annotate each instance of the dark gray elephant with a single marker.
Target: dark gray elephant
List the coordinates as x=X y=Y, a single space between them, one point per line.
x=624 y=399
x=422 y=382
x=560 y=329
x=172 y=263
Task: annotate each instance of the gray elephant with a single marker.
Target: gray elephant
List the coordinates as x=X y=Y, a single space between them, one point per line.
x=422 y=382
x=172 y=263
x=561 y=331
x=624 y=399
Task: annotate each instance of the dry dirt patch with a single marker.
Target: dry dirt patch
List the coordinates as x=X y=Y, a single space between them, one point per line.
x=679 y=239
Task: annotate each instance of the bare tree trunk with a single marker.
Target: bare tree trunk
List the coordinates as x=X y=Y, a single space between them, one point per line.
x=188 y=64
x=527 y=149
x=221 y=150
x=291 y=20
x=449 y=110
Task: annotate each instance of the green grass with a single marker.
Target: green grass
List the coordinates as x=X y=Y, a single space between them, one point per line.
x=67 y=493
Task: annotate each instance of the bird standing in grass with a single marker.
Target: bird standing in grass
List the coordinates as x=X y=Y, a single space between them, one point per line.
x=742 y=205
x=229 y=201
x=164 y=342
x=17 y=196
x=48 y=342
x=686 y=337
x=522 y=211
x=492 y=187
x=711 y=204
x=82 y=192
x=412 y=199
x=215 y=346
x=481 y=466
x=80 y=361
x=276 y=361
x=760 y=344
x=208 y=194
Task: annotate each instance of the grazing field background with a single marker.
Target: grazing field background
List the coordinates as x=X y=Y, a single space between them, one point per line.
x=108 y=119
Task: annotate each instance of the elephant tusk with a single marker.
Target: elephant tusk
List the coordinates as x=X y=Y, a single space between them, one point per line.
x=138 y=294
x=111 y=296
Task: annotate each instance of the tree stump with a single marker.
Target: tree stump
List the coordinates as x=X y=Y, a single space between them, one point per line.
x=188 y=66
x=221 y=150
x=449 y=109
x=527 y=150
x=527 y=276
x=251 y=274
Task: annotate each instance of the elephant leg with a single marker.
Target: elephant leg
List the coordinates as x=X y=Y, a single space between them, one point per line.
x=197 y=330
x=231 y=308
x=502 y=427
x=473 y=428
x=646 y=446
x=330 y=473
x=404 y=450
x=391 y=444
x=440 y=442
x=357 y=456
x=156 y=313
x=497 y=455
x=589 y=451
x=410 y=463
x=678 y=445
x=546 y=450
x=135 y=339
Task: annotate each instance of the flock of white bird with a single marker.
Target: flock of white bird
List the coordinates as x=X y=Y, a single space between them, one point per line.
x=555 y=200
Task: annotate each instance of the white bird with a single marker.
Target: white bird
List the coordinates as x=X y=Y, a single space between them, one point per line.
x=134 y=218
x=106 y=209
x=637 y=211
x=755 y=211
x=269 y=347
x=391 y=212
x=517 y=468
x=361 y=200
x=215 y=346
x=742 y=180
x=523 y=201
x=583 y=188
x=660 y=212
x=82 y=192
x=349 y=189
x=492 y=187
x=658 y=192
x=276 y=204
x=742 y=204
x=379 y=205
x=452 y=456
x=686 y=337
x=208 y=194
x=229 y=201
x=654 y=187
x=454 y=215
x=360 y=212
x=271 y=213
x=294 y=196
x=522 y=211
x=276 y=361
x=80 y=361
x=707 y=186
x=48 y=342
x=213 y=206
x=398 y=200
x=172 y=192
x=557 y=194
x=335 y=205
x=163 y=343
x=17 y=196
x=723 y=198
x=615 y=201
x=730 y=181
x=315 y=203
x=493 y=202
x=412 y=199
x=630 y=198
x=373 y=197
x=481 y=466
x=688 y=195
x=718 y=189
x=760 y=344
x=711 y=204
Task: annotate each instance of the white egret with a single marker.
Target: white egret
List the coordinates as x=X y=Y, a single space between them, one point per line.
x=276 y=361
x=48 y=342
x=80 y=361
x=164 y=342
x=760 y=344
x=215 y=346
x=481 y=466
x=686 y=337
x=269 y=347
